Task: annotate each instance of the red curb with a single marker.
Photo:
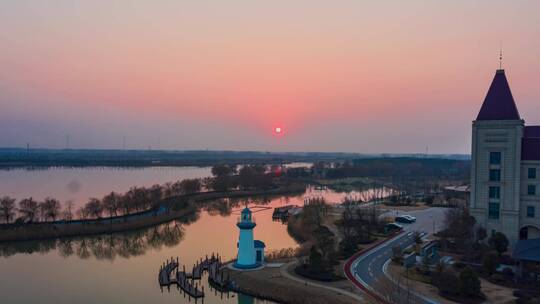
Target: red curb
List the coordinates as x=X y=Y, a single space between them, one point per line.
x=350 y=276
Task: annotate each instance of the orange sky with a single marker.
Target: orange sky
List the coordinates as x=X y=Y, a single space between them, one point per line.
x=380 y=76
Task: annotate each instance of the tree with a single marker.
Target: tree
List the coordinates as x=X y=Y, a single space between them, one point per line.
x=68 y=211
x=246 y=177
x=168 y=189
x=190 y=185
x=481 y=234
x=314 y=210
x=222 y=177
x=490 y=261
x=223 y=170
x=459 y=226
x=326 y=243
x=82 y=213
x=448 y=283
x=137 y=197
x=440 y=268
x=154 y=195
x=7 y=208
x=499 y=242
x=315 y=260
x=50 y=208
x=125 y=204
x=346 y=224
x=366 y=223
x=94 y=208
x=397 y=255
x=469 y=284
x=254 y=176
x=111 y=203
x=28 y=208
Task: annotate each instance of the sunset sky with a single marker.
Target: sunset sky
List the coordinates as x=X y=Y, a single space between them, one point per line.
x=357 y=76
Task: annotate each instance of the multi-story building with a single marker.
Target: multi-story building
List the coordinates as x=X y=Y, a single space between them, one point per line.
x=505 y=181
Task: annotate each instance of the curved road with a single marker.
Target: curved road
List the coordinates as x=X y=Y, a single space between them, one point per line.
x=370 y=267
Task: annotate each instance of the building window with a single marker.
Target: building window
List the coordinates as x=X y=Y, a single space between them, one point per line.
x=494 y=175
x=532 y=173
x=531 y=190
x=495 y=192
x=530 y=211
x=494 y=158
x=494 y=211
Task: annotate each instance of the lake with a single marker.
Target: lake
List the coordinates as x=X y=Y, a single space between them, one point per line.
x=122 y=268
x=79 y=184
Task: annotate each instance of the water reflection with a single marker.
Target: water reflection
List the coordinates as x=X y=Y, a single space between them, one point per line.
x=105 y=247
x=131 y=243
x=137 y=242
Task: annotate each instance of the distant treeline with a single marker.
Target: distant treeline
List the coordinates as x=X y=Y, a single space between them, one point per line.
x=17 y=157
x=397 y=168
x=139 y=199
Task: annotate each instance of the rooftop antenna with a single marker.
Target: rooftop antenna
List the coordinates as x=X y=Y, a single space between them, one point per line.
x=500 y=56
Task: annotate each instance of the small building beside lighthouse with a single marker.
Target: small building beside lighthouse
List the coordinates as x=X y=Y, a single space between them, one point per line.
x=250 y=251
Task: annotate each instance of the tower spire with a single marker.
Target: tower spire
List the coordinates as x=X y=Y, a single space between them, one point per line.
x=500 y=58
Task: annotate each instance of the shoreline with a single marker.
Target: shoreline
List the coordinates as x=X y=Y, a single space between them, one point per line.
x=165 y=213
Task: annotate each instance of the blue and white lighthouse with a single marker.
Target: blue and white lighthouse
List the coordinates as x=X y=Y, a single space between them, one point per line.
x=250 y=251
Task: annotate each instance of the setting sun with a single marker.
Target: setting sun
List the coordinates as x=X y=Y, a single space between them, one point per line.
x=278 y=130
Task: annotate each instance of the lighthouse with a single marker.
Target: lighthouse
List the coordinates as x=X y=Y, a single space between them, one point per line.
x=250 y=251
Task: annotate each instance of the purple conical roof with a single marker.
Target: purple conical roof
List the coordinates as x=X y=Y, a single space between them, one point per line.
x=499 y=103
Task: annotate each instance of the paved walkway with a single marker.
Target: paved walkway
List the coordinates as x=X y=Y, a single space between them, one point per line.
x=284 y=271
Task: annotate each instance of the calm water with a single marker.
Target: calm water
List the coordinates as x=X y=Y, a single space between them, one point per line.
x=122 y=268
x=79 y=184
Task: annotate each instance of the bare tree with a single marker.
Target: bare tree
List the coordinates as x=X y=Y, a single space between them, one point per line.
x=399 y=289
x=111 y=203
x=138 y=198
x=50 y=208
x=28 y=208
x=125 y=204
x=82 y=213
x=168 y=189
x=315 y=209
x=190 y=186
x=154 y=195
x=7 y=208
x=94 y=208
x=68 y=211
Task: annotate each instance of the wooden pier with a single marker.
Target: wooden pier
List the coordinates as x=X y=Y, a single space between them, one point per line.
x=170 y=274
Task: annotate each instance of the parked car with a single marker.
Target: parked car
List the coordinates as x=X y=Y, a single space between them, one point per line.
x=393 y=226
x=412 y=218
x=405 y=219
